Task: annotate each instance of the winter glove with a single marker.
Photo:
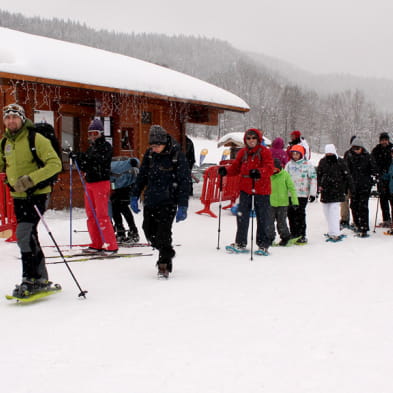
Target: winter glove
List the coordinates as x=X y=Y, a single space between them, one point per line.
x=255 y=174
x=23 y=184
x=311 y=199
x=134 y=205
x=222 y=171
x=181 y=214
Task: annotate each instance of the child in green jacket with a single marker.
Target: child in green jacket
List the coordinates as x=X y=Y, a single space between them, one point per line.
x=282 y=186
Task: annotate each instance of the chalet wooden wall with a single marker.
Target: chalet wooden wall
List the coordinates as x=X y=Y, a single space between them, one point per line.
x=133 y=113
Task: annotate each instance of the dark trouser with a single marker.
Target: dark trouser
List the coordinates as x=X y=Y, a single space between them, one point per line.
x=297 y=218
x=262 y=212
x=279 y=215
x=385 y=200
x=359 y=208
x=33 y=260
x=157 y=225
x=120 y=200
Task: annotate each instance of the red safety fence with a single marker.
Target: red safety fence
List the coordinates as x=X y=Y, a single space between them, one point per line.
x=7 y=216
x=211 y=189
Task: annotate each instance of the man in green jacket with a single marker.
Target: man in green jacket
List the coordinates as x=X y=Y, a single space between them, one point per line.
x=282 y=187
x=23 y=177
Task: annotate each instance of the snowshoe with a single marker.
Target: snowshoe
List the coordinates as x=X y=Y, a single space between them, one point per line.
x=301 y=241
x=334 y=239
x=362 y=234
x=262 y=251
x=236 y=249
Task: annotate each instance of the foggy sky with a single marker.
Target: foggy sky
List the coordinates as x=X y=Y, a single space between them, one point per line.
x=342 y=36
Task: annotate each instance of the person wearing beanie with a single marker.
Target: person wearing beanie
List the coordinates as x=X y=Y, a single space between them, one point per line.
x=383 y=158
x=282 y=187
x=298 y=139
x=254 y=164
x=164 y=178
x=24 y=176
x=334 y=182
x=96 y=164
x=305 y=180
x=363 y=170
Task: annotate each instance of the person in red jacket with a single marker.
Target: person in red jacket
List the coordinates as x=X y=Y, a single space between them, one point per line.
x=254 y=164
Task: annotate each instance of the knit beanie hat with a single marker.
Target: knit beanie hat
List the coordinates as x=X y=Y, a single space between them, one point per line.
x=297 y=134
x=330 y=149
x=357 y=142
x=96 y=125
x=383 y=135
x=14 y=109
x=157 y=135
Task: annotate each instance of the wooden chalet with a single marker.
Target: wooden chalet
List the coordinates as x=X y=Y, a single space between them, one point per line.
x=67 y=85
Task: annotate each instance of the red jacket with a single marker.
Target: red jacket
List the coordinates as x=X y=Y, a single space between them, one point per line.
x=260 y=158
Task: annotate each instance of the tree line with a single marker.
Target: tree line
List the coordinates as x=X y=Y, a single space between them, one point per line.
x=277 y=105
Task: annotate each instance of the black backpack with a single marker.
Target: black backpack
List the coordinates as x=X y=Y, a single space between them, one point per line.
x=48 y=132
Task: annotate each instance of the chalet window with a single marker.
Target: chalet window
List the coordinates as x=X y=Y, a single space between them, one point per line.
x=146 y=117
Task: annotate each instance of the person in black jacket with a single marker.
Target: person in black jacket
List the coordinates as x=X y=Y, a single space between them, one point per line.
x=96 y=163
x=190 y=156
x=383 y=158
x=334 y=181
x=164 y=176
x=362 y=169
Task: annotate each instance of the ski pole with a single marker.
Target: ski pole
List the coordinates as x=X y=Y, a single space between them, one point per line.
x=252 y=217
x=78 y=231
x=82 y=292
x=90 y=202
x=70 y=164
x=376 y=214
x=219 y=216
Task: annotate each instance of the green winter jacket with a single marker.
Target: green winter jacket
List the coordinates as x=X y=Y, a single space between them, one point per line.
x=282 y=186
x=18 y=159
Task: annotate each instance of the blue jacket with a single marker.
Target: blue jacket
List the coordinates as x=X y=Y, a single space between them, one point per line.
x=389 y=177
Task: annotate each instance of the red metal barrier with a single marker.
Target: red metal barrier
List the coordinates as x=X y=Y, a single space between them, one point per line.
x=211 y=189
x=7 y=216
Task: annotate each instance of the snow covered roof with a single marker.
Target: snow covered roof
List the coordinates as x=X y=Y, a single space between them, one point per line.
x=41 y=57
x=237 y=139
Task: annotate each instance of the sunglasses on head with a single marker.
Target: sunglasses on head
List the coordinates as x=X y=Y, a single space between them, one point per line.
x=251 y=137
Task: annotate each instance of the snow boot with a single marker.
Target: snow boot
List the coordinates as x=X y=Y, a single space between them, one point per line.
x=236 y=249
x=262 y=251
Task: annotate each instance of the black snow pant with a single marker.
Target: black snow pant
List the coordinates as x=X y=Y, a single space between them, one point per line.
x=279 y=215
x=120 y=200
x=359 y=208
x=33 y=259
x=297 y=218
x=385 y=200
x=263 y=218
x=157 y=225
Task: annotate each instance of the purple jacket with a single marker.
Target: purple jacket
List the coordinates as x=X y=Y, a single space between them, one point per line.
x=278 y=151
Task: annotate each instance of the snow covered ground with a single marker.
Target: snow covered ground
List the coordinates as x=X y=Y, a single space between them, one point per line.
x=315 y=318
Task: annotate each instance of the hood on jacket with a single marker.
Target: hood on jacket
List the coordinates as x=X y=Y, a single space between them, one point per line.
x=278 y=143
x=358 y=142
x=331 y=149
x=253 y=131
x=298 y=148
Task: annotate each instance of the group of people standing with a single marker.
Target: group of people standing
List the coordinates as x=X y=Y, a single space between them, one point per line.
x=275 y=183
x=278 y=184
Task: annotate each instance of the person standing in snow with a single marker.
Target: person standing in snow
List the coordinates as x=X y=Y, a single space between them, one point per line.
x=278 y=151
x=190 y=156
x=305 y=180
x=382 y=157
x=96 y=163
x=254 y=164
x=282 y=187
x=23 y=176
x=388 y=177
x=344 y=206
x=164 y=176
x=298 y=139
x=334 y=182
x=123 y=175
x=362 y=169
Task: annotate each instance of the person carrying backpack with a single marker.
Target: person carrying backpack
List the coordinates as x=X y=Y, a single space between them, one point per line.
x=123 y=175
x=164 y=176
x=26 y=179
